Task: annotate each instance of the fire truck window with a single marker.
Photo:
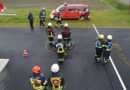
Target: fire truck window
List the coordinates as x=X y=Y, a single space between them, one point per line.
x=63 y=9
x=71 y=9
x=81 y=8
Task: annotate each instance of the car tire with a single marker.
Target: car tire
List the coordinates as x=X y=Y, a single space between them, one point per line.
x=55 y=18
x=82 y=18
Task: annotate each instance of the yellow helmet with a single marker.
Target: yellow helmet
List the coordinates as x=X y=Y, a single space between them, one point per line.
x=101 y=36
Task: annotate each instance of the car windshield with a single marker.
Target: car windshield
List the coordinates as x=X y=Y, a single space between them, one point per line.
x=59 y=7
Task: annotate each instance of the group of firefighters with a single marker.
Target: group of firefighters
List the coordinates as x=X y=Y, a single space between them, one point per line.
x=63 y=40
x=56 y=80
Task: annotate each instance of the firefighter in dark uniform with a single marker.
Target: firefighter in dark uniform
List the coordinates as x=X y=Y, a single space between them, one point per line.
x=51 y=33
x=66 y=32
x=37 y=79
x=58 y=19
x=60 y=46
x=41 y=18
x=44 y=14
x=56 y=80
x=99 y=47
x=107 y=48
x=30 y=18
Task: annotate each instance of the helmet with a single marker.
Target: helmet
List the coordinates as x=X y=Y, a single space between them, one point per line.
x=43 y=8
x=55 y=68
x=57 y=11
x=49 y=24
x=101 y=36
x=36 y=69
x=109 y=37
x=66 y=25
x=59 y=36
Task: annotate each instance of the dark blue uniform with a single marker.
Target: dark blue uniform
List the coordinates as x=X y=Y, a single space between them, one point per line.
x=51 y=33
x=107 y=50
x=38 y=81
x=41 y=18
x=66 y=32
x=99 y=49
x=30 y=17
x=56 y=81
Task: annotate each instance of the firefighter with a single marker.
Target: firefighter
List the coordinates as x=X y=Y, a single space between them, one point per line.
x=66 y=32
x=56 y=80
x=107 y=48
x=51 y=33
x=37 y=79
x=41 y=18
x=99 y=47
x=59 y=19
x=44 y=14
x=60 y=46
x=30 y=18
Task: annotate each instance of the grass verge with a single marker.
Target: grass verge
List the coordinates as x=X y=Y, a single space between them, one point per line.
x=101 y=18
x=115 y=4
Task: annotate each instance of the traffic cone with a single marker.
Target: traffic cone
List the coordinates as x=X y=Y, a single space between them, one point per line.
x=25 y=52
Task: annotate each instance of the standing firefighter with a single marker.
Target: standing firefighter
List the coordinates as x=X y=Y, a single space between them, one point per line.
x=41 y=18
x=44 y=14
x=30 y=18
x=99 y=49
x=59 y=19
x=37 y=79
x=107 y=48
x=60 y=49
x=56 y=80
x=51 y=33
x=66 y=32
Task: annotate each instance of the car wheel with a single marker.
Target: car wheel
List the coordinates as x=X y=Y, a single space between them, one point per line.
x=82 y=18
x=55 y=18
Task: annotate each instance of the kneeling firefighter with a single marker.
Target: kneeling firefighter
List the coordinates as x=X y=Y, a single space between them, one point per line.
x=66 y=32
x=51 y=33
x=60 y=49
x=107 y=48
x=37 y=79
x=56 y=80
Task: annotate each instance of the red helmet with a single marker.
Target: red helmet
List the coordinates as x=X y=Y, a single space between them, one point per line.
x=36 y=69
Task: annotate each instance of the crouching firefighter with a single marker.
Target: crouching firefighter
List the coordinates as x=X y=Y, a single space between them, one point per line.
x=60 y=46
x=37 y=79
x=66 y=32
x=56 y=80
x=107 y=48
x=51 y=33
x=99 y=49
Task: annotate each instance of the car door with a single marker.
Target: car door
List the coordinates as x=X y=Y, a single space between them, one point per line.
x=62 y=12
x=72 y=12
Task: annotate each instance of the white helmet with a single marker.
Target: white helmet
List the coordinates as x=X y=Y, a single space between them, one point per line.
x=49 y=24
x=43 y=8
x=55 y=68
x=109 y=37
x=59 y=36
x=57 y=11
x=66 y=25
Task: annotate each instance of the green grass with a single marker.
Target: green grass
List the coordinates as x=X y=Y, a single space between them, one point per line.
x=115 y=4
x=101 y=18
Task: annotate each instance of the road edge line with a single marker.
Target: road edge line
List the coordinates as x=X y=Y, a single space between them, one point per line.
x=114 y=66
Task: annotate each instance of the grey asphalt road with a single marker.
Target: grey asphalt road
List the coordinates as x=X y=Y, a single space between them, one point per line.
x=80 y=70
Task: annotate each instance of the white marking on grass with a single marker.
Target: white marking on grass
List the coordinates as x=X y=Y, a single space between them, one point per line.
x=3 y=63
x=114 y=66
x=7 y=14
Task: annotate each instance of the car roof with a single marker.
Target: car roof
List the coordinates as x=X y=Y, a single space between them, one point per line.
x=82 y=5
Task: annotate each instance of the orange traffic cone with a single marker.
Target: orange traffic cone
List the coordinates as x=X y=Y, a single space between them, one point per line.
x=25 y=52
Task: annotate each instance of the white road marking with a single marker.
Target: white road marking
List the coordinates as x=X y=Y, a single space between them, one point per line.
x=114 y=66
x=3 y=63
